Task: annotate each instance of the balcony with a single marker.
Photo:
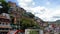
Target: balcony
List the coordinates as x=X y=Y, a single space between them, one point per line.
x=4 y=20
x=4 y=29
x=5 y=25
x=2 y=16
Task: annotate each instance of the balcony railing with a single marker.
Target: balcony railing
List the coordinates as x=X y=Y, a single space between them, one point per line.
x=4 y=30
x=5 y=26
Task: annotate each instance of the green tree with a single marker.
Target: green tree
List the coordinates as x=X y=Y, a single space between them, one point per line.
x=4 y=5
x=29 y=14
x=28 y=23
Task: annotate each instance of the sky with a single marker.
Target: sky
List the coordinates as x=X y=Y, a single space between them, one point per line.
x=47 y=10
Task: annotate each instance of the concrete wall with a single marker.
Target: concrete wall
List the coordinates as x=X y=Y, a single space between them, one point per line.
x=27 y=31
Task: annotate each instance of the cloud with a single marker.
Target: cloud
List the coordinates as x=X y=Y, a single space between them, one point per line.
x=40 y=11
x=33 y=3
x=25 y=3
x=48 y=3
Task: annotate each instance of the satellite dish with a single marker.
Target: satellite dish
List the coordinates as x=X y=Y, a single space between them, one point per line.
x=1 y=7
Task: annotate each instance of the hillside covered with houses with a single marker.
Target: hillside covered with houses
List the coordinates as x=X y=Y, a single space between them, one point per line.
x=13 y=17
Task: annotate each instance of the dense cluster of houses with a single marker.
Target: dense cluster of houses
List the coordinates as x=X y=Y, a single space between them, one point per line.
x=16 y=12
x=5 y=18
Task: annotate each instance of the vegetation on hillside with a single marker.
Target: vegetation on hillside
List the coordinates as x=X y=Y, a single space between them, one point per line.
x=4 y=5
x=27 y=21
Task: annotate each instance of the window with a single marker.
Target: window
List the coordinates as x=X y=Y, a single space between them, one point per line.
x=3 y=23
x=2 y=28
x=6 y=29
x=0 y=22
x=6 y=23
x=11 y=9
